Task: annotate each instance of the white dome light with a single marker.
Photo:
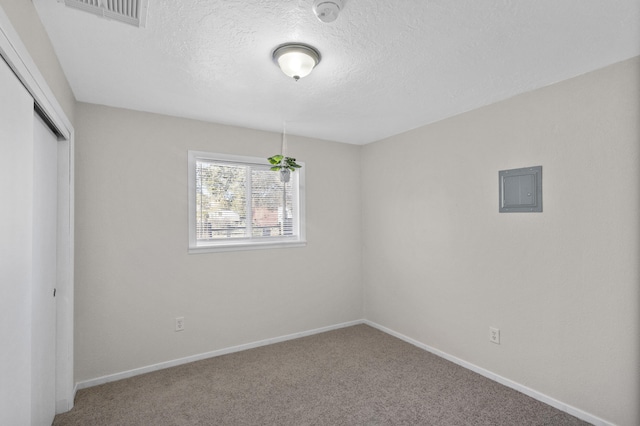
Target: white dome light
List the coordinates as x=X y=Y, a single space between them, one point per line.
x=296 y=60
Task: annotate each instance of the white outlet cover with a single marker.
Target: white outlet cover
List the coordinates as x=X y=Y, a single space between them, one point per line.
x=494 y=335
x=179 y=323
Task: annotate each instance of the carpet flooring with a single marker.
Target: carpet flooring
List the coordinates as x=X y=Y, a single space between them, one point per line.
x=351 y=376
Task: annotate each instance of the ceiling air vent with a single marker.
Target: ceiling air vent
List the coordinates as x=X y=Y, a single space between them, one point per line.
x=132 y=12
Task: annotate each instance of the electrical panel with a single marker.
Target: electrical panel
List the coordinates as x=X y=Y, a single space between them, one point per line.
x=521 y=190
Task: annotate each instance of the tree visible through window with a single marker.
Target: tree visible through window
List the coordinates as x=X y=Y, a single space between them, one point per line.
x=239 y=200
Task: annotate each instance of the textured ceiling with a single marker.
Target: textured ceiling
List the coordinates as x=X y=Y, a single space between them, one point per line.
x=387 y=66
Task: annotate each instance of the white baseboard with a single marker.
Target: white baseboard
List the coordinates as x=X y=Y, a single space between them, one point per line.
x=582 y=415
x=219 y=352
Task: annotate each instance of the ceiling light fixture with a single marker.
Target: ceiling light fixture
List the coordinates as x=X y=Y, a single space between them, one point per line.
x=296 y=59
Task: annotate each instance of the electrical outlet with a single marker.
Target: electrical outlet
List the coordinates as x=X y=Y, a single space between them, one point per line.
x=179 y=323
x=494 y=335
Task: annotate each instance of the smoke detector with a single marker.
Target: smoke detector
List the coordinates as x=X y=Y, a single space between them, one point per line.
x=327 y=10
x=133 y=12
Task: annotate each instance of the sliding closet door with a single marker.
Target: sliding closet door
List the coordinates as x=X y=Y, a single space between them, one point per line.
x=43 y=329
x=28 y=258
x=16 y=248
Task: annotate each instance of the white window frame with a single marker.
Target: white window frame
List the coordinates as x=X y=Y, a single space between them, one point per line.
x=298 y=240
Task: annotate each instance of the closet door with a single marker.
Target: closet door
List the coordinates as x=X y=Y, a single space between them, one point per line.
x=16 y=243
x=43 y=329
x=28 y=258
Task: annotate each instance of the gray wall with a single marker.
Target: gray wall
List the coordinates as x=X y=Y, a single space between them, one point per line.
x=133 y=272
x=441 y=264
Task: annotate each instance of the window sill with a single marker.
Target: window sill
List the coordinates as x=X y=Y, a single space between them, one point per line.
x=242 y=246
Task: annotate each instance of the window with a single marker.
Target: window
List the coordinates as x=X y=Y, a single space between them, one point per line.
x=238 y=203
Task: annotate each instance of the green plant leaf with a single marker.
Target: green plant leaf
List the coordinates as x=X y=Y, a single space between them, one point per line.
x=290 y=162
x=275 y=168
x=276 y=159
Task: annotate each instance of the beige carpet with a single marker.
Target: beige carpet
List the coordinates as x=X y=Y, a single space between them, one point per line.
x=352 y=376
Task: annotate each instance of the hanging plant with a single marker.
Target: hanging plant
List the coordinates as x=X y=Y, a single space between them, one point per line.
x=285 y=165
